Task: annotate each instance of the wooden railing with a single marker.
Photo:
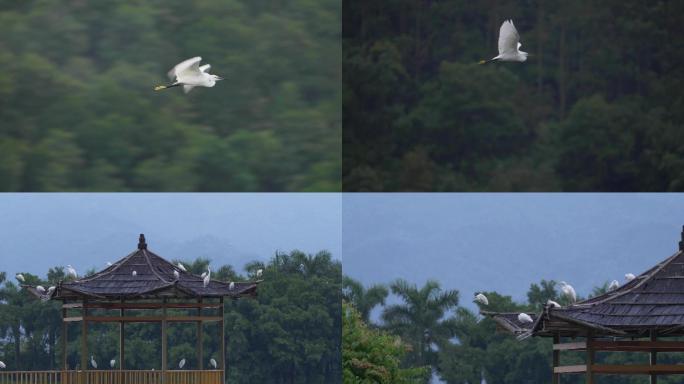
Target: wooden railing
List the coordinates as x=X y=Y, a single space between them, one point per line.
x=111 y=377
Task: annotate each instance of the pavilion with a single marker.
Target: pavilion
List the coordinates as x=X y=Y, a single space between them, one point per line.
x=644 y=315
x=157 y=286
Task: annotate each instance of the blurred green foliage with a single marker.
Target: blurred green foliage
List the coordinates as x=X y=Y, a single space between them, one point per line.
x=77 y=110
x=597 y=107
x=290 y=333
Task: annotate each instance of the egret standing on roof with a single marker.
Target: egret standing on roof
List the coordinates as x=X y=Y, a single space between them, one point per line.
x=71 y=271
x=613 y=285
x=552 y=303
x=629 y=276
x=568 y=291
x=181 y=364
x=182 y=267
x=189 y=74
x=482 y=299
x=213 y=363
x=525 y=318
x=112 y=363
x=509 y=45
x=93 y=362
x=20 y=277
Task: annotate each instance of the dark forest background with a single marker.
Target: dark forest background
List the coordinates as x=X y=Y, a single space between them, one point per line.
x=78 y=111
x=598 y=106
x=290 y=333
x=428 y=334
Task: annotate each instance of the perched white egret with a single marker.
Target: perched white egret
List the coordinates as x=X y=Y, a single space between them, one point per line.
x=40 y=289
x=231 y=286
x=509 y=45
x=20 y=277
x=207 y=279
x=613 y=285
x=629 y=276
x=71 y=271
x=552 y=304
x=259 y=273
x=50 y=290
x=525 y=318
x=213 y=363
x=181 y=364
x=2 y=365
x=93 y=362
x=568 y=291
x=109 y=263
x=176 y=274
x=189 y=74
x=482 y=299
x=134 y=273
x=203 y=275
x=182 y=267
x=112 y=363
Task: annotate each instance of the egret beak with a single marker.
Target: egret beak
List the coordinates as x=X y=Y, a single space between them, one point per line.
x=159 y=87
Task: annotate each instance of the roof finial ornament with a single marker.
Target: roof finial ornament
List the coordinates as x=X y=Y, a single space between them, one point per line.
x=141 y=242
x=681 y=242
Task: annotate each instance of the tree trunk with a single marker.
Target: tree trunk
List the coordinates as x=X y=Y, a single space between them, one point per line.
x=540 y=45
x=561 y=71
x=17 y=350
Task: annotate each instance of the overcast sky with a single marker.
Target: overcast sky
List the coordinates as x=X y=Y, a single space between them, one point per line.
x=38 y=231
x=505 y=242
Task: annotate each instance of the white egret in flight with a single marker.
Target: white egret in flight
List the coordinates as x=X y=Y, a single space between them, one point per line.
x=181 y=364
x=509 y=45
x=189 y=74
x=552 y=304
x=71 y=271
x=629 y=276
x=613 y=285
x=481 y=298
x=525 y=318
x=182 y=267
x=568 y=291
x=213 y=363
x=20 y=277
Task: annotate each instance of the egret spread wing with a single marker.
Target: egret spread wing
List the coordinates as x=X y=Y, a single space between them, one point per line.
x=189 y=65
x=205 y=67
x=509 y=40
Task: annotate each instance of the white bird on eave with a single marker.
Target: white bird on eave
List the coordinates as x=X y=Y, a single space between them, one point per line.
x=20 y=277
x=112 y=363
x=176 y=274
x=509 y=45
x=189 y=74
x=552 y=304
x=40 y=289
x=213 y=363
x=71 y=272
x=93 y=362
x=182 y=267
x=613 y=285
x=568 y=291
x=181 y=364
x=482 y=299
x=629 y=276
x=207 y=278
x=525 y=318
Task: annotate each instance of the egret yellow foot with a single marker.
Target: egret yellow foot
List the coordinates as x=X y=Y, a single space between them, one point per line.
x=159 y=87
x=482 y=61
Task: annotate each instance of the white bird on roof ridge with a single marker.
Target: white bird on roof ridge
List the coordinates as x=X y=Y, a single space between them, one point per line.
x=182 y=267
x=509 y=45
x=613 y=285
x=568 y=291
x=481 y=298
x=176 y=274
x=525 y=318
x=181 y=364
x=629 y=276
x=93 y=362
x=231 y=286
x=259 y=272
x=20 y=277
x=112 y=363
x=207 y=278
x=40 y=289
x=134 y=273
x=213 y=363
x=71 y=271
x=109 y=263
x=190 y=74
x=552 y=304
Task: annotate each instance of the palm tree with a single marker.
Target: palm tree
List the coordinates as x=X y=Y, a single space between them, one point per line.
x=421 y=319
x=363 y=299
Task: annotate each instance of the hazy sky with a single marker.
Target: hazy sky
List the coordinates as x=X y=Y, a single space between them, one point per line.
x=38 y=231
x=505 y=242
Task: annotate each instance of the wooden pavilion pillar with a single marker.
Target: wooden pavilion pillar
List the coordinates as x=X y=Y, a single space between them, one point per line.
x=556 y=360
x=590 y=359
x=164 y=341
x=64 y=339
x=222 y=324
x=654 y=357
x=200 y=348
x=121 y=337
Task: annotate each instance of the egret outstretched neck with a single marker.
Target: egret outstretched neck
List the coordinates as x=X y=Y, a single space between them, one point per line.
x=160 y=87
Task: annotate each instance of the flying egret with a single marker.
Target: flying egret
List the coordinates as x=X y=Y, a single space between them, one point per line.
x=259 y=273
x=93 y=362
x=71 y=271
x=552 y=304
x=509 y=45
x=189 y=74
x=213 y=363
x=20 y=277
x=40 y=289
x=613 y=285
x=2 y=365
x=134 y=273
x=568 y=291
x=481 y=298
x=181 y=364
x=231 y=286
x=525 y=318
x=176 y=274
x=182 y=267
x=629 y=276
x=112 y=363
